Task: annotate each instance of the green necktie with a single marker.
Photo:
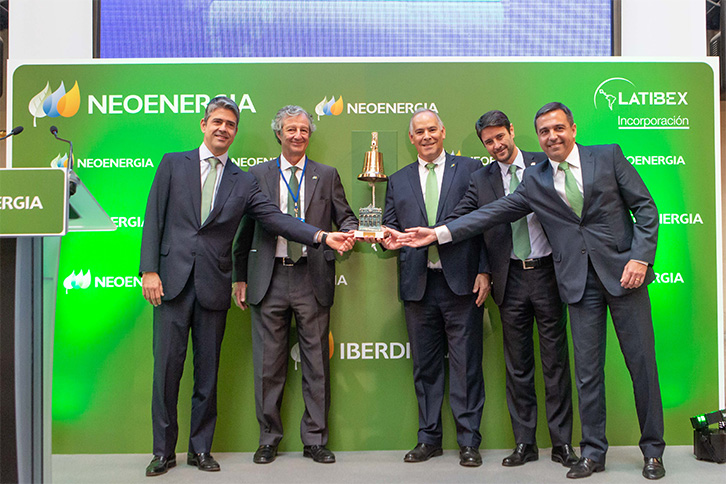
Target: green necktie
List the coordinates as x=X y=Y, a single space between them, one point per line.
x=520 y=230
x=432 y=206
x=294 y=249
x=208 y=188
x=571 y=191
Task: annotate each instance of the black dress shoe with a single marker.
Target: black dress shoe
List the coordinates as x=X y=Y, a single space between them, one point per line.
x=319 y=454
x=203 y=461
x=522 y=454
x=469 y=457
x=564 y=454
x=584 y=468
x=653 y=468
x=423 y=452
x=265 y=454
x=159 y=465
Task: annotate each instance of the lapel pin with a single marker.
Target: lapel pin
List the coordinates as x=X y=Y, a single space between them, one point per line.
x=452 y=165
x=315 y=177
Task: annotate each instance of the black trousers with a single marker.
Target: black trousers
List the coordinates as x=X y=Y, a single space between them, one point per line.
x=634 y=328
x=440 y=321
x=172 y=322
x=532 y=294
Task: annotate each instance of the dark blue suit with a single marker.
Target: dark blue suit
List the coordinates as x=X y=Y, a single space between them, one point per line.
x=194 y=261
x=524 y=295
x=439 y=305
x=590 y=253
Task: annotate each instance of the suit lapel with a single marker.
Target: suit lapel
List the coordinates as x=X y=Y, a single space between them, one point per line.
x=271 y=181
x=415 y=181
x=229 y=178
x=495 y=179
x=449 y=173
x=311 y=181
x=587 y=166
x=194 y=177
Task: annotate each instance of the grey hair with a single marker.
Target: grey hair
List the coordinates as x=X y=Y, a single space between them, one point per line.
x=289 y=111
x=424 y=110
x=221 y=102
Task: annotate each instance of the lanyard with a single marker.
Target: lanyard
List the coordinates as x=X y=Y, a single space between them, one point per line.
x=295 y=196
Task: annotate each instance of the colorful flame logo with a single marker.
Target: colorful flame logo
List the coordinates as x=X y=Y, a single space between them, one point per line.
x=77 y=281
x=329 y=108
x=54 y=104
x=60 y=161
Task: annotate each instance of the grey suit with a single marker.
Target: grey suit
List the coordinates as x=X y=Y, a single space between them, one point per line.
x=194 y=261
x=590 y=253
x=305 y=290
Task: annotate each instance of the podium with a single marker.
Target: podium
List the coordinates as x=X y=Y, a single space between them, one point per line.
x=30 y=246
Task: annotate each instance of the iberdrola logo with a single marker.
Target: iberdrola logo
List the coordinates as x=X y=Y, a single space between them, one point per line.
x=56 y=103
x=329 y=108
x=77 y=281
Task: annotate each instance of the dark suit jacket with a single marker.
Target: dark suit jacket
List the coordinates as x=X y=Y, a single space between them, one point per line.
x=486 y=186
x=174 y=240
x=325 y=204
x=405 y=208
x=606 y=233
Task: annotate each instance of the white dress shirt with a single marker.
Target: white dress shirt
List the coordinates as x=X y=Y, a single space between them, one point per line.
x=281 y=248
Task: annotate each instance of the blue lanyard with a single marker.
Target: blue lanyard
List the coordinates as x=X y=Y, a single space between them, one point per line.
x=295 y=196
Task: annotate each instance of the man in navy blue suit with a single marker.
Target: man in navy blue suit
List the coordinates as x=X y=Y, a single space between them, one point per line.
x=524 y=287
x=602 y=224
x=442 y=291
x=195 y=206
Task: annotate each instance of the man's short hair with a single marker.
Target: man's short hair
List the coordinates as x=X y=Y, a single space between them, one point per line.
x=492 y=118
x=289 y=111
x=554 y=106
x=221 y=102
x=423 y=110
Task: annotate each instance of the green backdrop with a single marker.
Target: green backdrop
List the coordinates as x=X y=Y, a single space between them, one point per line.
x=123 y=116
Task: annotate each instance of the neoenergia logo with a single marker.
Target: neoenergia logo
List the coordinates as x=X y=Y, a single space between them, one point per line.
x=56 y=103
x=329 y=108
x=77 y=281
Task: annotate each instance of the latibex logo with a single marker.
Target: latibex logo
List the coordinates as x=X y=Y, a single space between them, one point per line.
x=329 y=108
x=77 y=281
x=56 y=103
x=619 y=91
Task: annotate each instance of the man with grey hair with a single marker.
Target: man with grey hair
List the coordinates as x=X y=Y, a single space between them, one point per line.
x=279 y=279
x=195 y=206
x=442 y=291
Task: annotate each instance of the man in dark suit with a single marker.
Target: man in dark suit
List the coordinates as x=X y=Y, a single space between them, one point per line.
x=586 y=198
x=195 y=205
x=278 y=280
x=442 y=292
x=524 y=287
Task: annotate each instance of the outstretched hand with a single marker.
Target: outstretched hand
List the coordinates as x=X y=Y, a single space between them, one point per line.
x=340 y=241
x=418 y=237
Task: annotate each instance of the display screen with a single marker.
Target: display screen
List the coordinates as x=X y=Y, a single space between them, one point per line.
x=360 y=28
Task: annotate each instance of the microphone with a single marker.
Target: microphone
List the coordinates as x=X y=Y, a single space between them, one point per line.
x=73 y=180
x=54 y=132
x=15 y=130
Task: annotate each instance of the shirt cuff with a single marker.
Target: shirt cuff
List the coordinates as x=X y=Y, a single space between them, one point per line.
x=640 y=262
x=443 y=235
